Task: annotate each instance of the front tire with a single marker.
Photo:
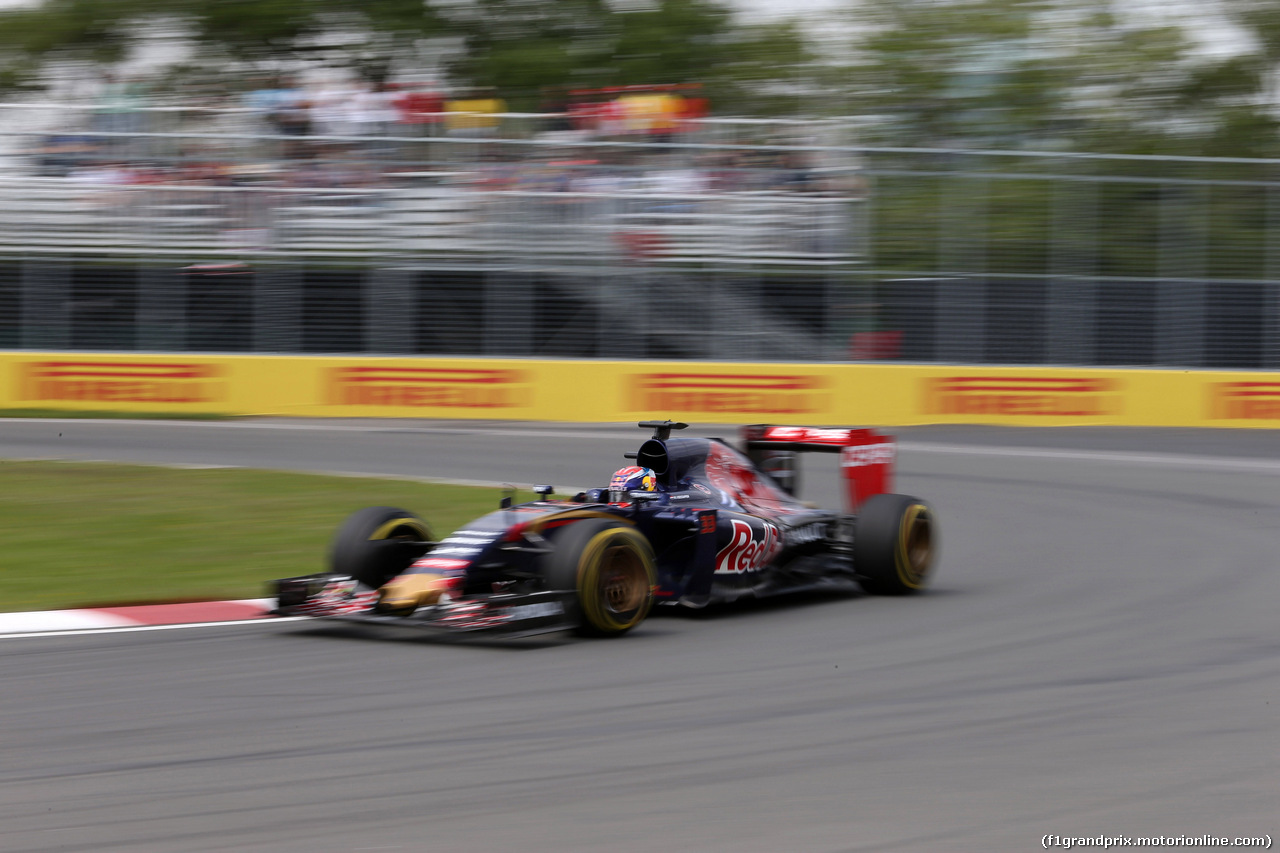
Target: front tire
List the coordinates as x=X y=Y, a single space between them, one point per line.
x=611 y=568
x=377 y=543
x=894 y=544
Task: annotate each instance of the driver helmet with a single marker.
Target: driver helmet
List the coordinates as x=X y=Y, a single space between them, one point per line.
x=631 y=479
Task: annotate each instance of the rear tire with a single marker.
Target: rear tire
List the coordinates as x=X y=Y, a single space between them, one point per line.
x=894 y=544
x=611 y=568
x=377 y=543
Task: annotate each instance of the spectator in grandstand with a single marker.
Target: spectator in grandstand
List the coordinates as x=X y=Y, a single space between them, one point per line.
x=793 y=174
x=374 y=109
x=555 y=106
x=292 y=118
x=333 y=109
x=60 y=154
x=478 y=115
x=418 y=107
x=109 y=174
x=120 y=105
x=599 y=179
x=725 y=173
x=265 y=100
x=677 y=180
x=375 y=118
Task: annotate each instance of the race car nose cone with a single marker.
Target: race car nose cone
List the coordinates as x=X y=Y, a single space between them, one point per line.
x=407 y=593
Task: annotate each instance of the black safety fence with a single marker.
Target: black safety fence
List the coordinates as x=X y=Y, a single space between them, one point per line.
x=1103 y=322
x=111 y=305
x=90 y=304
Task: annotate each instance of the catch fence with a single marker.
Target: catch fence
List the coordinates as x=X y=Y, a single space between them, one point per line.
x=725 y=240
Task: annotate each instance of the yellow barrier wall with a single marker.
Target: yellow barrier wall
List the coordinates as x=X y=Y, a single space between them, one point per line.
x=870 y=394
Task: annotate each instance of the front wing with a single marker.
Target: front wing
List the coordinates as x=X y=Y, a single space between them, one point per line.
x=509 y=615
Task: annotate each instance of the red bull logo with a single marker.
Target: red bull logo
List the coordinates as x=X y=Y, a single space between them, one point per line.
x=1022 y=396
x=429 y=387
x=1252 y=401
x=748 y=550
x=172 y=383
x=723 y=392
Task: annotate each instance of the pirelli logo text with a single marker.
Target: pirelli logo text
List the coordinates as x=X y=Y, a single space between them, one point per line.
x=429 y=387
x=1245 y=401
x=1023 y=396
x=724 y=392
x=170 y=383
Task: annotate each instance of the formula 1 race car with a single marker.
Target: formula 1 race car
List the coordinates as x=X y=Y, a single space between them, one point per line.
x=693 y=521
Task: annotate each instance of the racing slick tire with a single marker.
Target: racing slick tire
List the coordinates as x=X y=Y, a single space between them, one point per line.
x=894 y=544
x=611 y=568
x=377 y=543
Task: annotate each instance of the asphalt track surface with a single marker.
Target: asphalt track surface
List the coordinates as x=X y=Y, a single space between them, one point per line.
x=1098 y=656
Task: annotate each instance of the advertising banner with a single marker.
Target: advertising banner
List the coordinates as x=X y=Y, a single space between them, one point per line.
x=116 y=384
x=603 y=391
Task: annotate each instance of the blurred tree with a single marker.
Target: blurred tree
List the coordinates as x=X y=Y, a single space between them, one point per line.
x=523 y=47
x=254 y=32
x=1051 y=73
x=769 y=69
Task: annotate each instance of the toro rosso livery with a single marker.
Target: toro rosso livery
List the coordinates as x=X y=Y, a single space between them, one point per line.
x=690 y=522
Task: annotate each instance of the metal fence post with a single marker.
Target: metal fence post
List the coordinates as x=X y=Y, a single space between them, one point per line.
x=1071 y=312
x=277 y=308
x=46 y=304
x=390 y=311
x=1271 y=290
x=960 y=318
x=162 y=309
x=1180 y=320
x=508 y=313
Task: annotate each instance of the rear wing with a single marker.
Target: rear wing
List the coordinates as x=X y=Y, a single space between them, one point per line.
x=866 y=456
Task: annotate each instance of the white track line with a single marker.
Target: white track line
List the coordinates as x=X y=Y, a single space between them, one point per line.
x=571 y=431
x=74 y=632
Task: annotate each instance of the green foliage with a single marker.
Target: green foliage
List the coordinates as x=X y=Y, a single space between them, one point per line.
x=769 y=70
x=1048 y=75
x=1010 y=73
x=680 y=41
x=1054 y=74
x=522 y=47
x=519 y=47
x=265 y=33
x=70 y=27
x=1086 y=221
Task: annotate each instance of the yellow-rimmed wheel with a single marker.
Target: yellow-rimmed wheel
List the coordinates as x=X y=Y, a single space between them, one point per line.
x=894 y=544
x=610 y=567
x=377 y=543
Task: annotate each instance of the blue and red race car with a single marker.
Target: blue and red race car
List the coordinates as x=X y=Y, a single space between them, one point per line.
x=691 y=522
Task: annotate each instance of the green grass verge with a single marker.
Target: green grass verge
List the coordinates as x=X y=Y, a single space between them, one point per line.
x=87 y=534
